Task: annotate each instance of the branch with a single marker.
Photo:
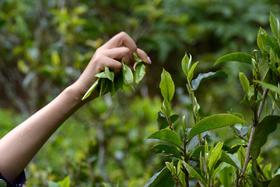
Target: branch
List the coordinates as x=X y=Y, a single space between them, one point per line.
x=256 y=121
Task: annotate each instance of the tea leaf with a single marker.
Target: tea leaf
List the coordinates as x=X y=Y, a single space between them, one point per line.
x=186 y=63
x=214 y=122
x=261 y=37
x=139 y=73
x=205 y=76
x=162 y=178
x=215 y=155
x=167 y=87
x=193 y=173
x=191 y=71
x=167 y=135
x=271 y=87
x=274 y=25
x=235 y=56
x=127 y=75
x=266 y=126
x=91 y=89
x=166 y=149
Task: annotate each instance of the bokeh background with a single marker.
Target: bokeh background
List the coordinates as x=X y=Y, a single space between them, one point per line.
x=45 y=44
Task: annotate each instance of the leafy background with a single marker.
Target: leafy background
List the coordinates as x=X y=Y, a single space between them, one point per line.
x=45 y=44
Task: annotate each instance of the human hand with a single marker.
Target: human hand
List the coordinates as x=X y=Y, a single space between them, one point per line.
x=119 y=48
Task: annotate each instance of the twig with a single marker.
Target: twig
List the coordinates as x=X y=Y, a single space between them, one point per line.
x=257 y=116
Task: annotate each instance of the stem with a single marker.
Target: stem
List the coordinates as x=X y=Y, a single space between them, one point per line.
x=257 y=115
x=196 y=116
x=186 y=160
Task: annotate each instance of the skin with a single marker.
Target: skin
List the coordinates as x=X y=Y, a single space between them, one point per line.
x=22 y=143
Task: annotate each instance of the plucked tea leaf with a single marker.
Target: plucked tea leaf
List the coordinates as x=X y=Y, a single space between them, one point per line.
x=127 y=75
x=139 y=73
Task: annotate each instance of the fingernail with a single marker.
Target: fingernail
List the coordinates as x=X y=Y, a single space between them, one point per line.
x=149 y=60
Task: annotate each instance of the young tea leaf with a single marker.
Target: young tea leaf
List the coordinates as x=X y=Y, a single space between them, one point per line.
x=214 y=122
x=214 y=156
x=261 y=40
x=245 y=85
x=186 y=63
x=191 y=71
x=167 y=86
x=274 y=25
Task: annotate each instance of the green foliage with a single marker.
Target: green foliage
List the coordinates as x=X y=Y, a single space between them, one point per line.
x=264 y=128
x=222 y=163
x=213 y=122
x=45 y=44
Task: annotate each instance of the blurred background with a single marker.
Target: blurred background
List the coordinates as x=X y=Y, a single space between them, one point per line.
x=45 y=44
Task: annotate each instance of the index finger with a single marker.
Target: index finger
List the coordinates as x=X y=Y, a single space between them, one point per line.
x=119 y=40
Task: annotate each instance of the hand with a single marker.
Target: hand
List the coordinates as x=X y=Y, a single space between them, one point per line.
x=119 y=48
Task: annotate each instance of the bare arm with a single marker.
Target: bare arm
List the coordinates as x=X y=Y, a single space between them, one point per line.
x=20 y=145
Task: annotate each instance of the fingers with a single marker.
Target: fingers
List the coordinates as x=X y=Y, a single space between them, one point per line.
x=121 y=39
x=117 y=53
x=112 y=64
x=143 y=55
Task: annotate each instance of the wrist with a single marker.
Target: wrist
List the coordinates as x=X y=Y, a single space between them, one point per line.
x=75 y=94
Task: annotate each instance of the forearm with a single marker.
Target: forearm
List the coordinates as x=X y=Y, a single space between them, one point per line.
x=20 y=145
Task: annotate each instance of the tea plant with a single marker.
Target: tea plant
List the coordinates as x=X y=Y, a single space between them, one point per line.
x=195 y=158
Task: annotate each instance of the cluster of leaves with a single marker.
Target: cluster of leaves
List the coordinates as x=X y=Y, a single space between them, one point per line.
x=190 y=159
x=108 y=82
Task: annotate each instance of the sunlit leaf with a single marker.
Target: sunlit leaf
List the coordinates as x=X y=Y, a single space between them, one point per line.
x=215 y=155
x=214 y=122
x=167 y=86
x=139 y=73
x=127 y=74
x=186 y=63
x=191 y=71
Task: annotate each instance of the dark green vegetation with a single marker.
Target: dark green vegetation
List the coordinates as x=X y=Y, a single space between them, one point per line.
x=44 y=44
